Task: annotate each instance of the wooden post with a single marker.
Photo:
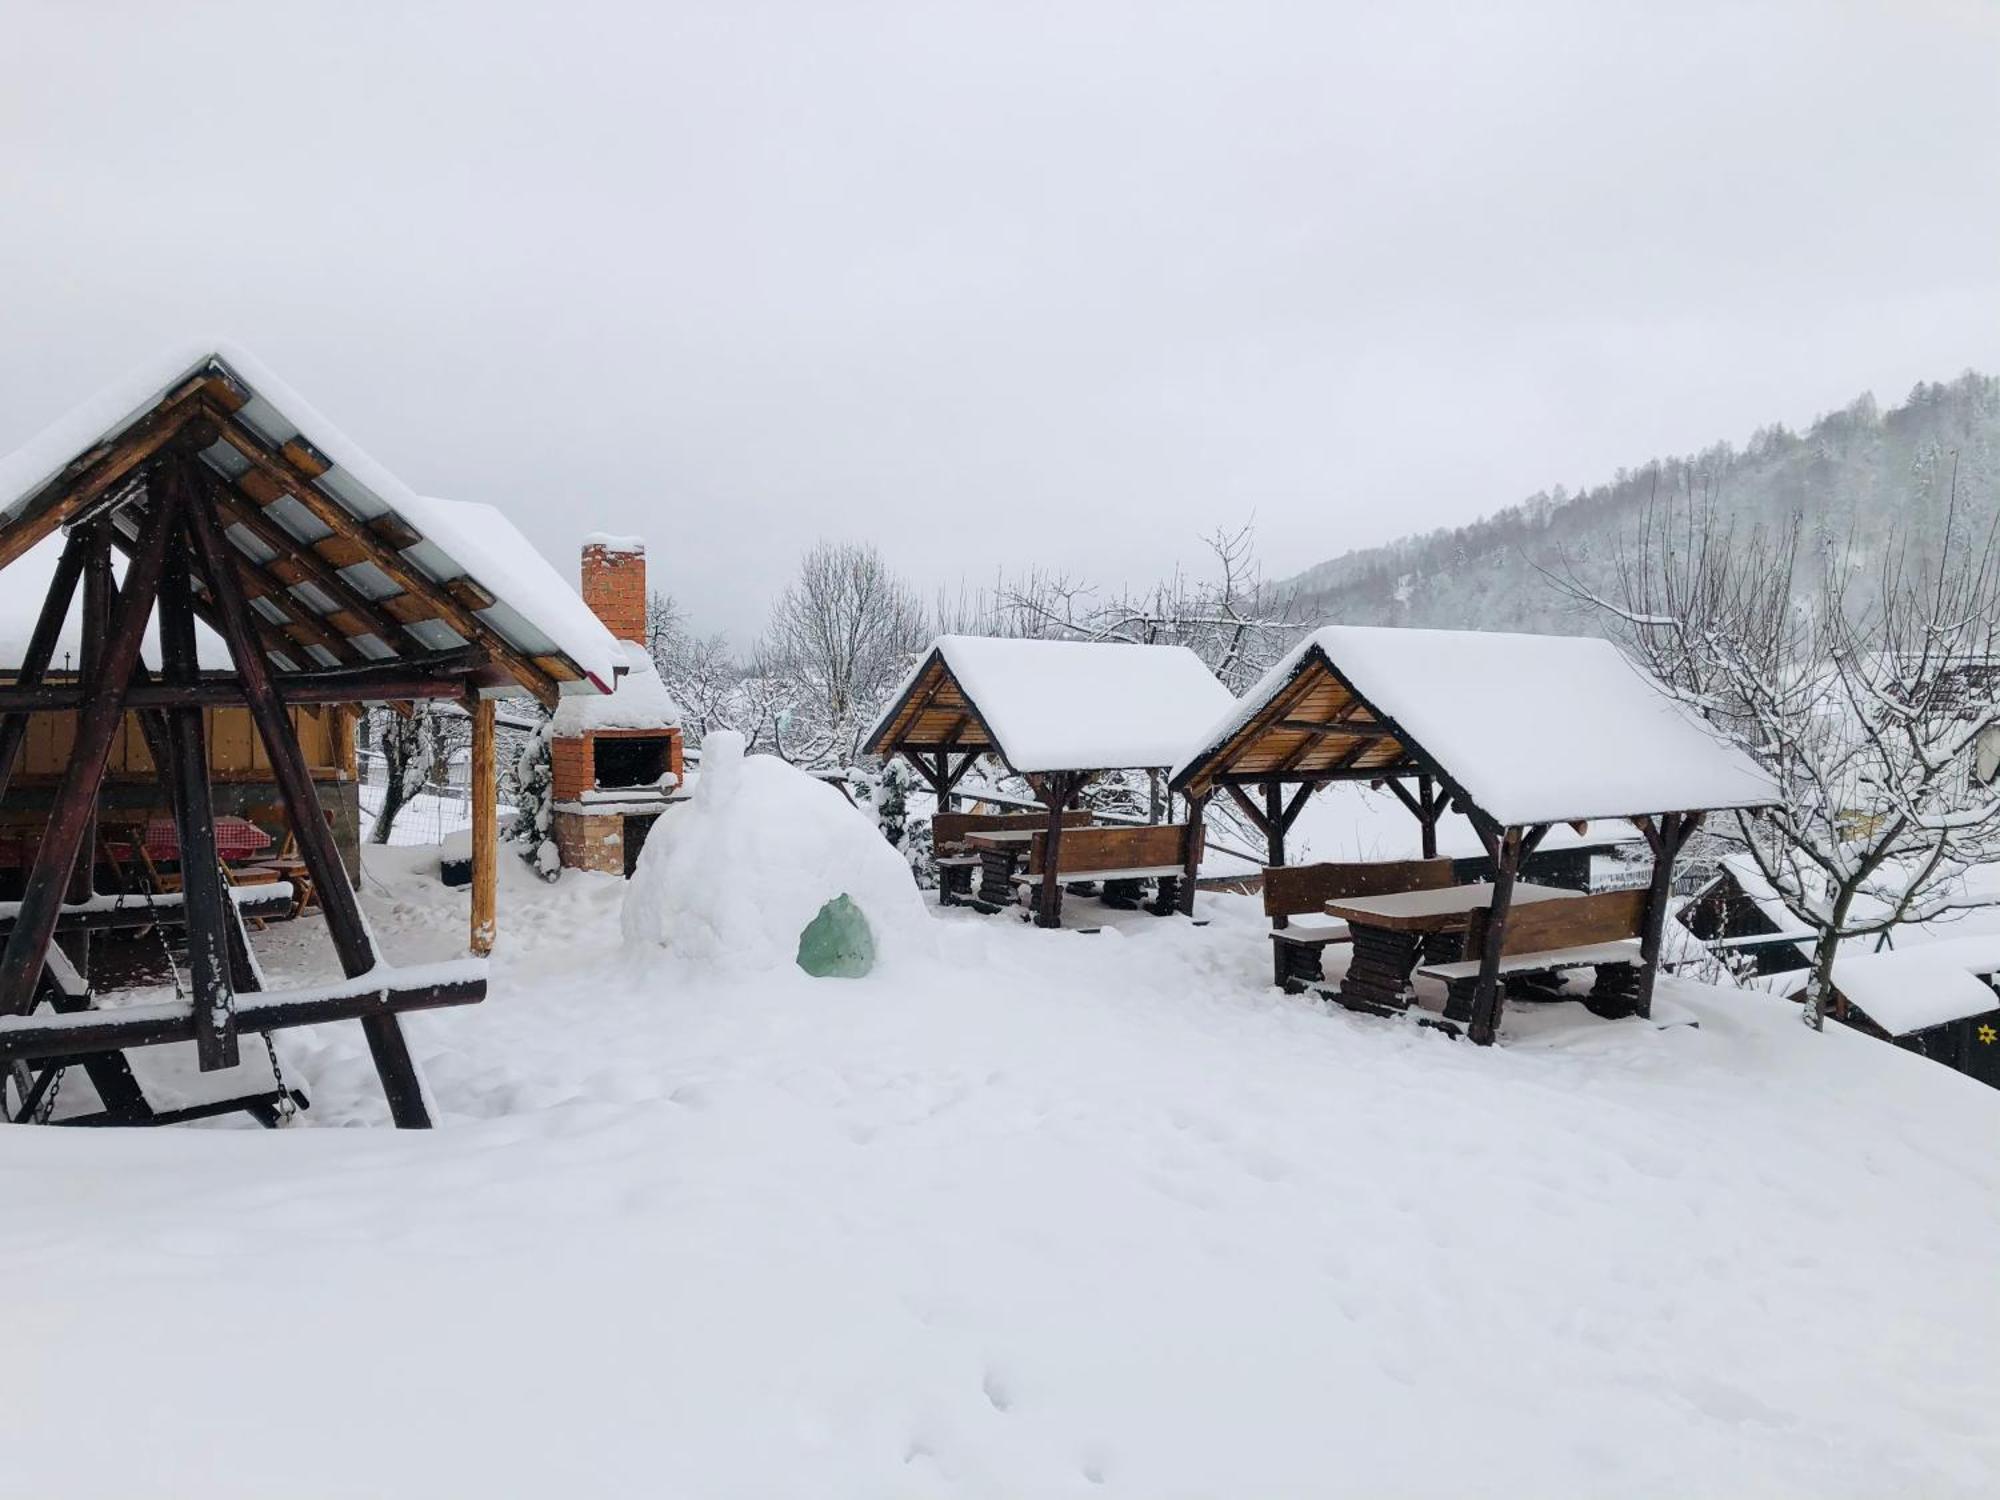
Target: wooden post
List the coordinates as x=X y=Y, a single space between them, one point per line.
x=97 y=726
x=99 y=592
x=1057 y=787
x=1673 y=831
x=338 y=903
x=1274 y=822
x=204 y=896
x=485 y=826
x=1197 y=810
x=1486 y=994
x=1429 y=816
x=42 y=646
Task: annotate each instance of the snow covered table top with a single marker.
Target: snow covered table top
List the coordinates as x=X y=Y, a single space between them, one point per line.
x=1438 y=910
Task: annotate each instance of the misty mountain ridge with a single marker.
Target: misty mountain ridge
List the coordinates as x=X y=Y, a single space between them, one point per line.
x=1860 y=476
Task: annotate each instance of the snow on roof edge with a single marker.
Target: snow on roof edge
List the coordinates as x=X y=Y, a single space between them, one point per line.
x=537 y=594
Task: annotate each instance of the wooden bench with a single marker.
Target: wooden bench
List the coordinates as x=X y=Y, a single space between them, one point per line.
x=1114 y=855
x=955 y=863
x=1295 y=898
x=1549 y=938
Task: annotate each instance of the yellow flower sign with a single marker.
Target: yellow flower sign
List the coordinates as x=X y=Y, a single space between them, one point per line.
x=1988 y=1034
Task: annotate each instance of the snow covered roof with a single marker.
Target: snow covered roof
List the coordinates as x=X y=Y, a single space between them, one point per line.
x=1526 y=728
x=376 y=571
x=1910 y=989
x=1052 y=705
x=638 y=701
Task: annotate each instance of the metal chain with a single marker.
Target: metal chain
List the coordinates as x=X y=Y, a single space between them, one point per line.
x=288 y=1110
x=48 y=1108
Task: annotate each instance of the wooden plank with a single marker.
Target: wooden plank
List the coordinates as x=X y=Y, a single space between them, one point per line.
x=154 y=1026
x=949 y=830
x=1292 y=890
x=1539 y=926
x=393 y=531
x=468 y=592
x=1082 y=851
x=485 y=793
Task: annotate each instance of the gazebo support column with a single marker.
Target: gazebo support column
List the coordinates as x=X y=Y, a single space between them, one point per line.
x=1055 y=788
x=1197 y=811
x=205 y=896
x=1429 y=806
x=342 y=909
x=99 y=591
x=485 y=828
x=1486 y=999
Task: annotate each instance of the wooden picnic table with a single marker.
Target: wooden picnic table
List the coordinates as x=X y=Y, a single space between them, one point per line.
x=1391 y=932
x=1001 y=852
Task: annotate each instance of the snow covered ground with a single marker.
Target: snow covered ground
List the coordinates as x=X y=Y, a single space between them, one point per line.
x=1046 y=1214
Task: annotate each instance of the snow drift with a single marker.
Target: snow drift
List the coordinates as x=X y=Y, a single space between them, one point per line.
x=730 y=881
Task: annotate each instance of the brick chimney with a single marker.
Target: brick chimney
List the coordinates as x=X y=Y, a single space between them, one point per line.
x=614 y=584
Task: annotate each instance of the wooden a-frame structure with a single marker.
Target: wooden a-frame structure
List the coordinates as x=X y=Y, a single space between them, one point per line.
x=221 y=508
x=1309 y=724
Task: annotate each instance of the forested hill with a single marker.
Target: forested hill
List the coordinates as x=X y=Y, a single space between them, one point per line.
x=1859 y=475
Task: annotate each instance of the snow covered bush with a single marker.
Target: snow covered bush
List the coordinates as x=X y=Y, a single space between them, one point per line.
x=534 y=797
x=731 y=881
x=884 y=794
x=415 y=746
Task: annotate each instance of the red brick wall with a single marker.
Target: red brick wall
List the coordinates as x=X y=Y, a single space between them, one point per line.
x=571 y=768
x=614 y=586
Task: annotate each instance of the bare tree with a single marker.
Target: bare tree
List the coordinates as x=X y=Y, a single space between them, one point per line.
x=416 y=742
x=1859 y=706
x=1230 y=617
x=841 y=636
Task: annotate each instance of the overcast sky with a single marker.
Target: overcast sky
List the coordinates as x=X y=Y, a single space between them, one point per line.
x=1001 y=285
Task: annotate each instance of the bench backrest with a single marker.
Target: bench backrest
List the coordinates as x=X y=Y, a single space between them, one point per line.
x=950 y=829
x=1109 y=847
x=1290 y=890
x=1541 y=926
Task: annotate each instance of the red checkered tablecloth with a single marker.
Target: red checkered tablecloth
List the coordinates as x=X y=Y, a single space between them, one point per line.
x=235 y=838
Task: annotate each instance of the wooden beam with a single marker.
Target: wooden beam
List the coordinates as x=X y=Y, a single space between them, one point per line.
x=390 y=682
x=1197 y=807
x=288 y=470
x=42 y=646
x=485 y=794
x=317 y=572
x=206 y=901
x=1487 y=997
x=342 y=909
x=98 y=724
x=1251 y=811
x=156 y=1025
x=1293 y=808
x=96 y=473
x=1060 y=786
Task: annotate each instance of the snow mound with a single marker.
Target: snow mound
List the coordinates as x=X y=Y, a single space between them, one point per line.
x=640 y=700
x=731 y=880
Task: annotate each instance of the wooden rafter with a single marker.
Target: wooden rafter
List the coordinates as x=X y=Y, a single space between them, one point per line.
x=96 y=473
x=286 y=469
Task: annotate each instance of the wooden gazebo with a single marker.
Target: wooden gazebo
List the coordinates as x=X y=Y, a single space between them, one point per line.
x=1519 y=733
x=241 y=512
x=1056 y=713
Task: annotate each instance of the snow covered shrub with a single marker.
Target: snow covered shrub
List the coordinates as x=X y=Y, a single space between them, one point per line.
x=884 y=795
x=534 y=797
x=731 y=881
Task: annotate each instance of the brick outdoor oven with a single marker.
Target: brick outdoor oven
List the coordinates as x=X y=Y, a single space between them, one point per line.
x=615 y=760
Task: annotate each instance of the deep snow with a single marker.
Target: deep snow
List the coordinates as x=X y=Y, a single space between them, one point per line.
x=1047 y=1214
